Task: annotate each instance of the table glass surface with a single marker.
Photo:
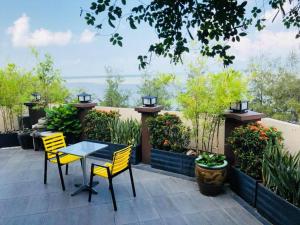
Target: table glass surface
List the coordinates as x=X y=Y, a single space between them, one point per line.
x=83 y=148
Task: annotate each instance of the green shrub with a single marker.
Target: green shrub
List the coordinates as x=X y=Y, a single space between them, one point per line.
x=64 y=118
x=248 y=143
x=96 y=124
x=281 y=173
x=168 y=133
x=127 y=132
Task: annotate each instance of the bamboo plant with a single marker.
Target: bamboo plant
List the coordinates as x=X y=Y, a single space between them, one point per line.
x=204 y=100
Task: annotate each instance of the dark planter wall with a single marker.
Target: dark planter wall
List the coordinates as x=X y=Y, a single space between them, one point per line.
x=9 y=140
x=244 y=185
x=276 y=209
x=173 y=162
x=107 y=153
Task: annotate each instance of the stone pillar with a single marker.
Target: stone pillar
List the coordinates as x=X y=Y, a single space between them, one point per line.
x=233 y=120
x=146 y=146
x=83 y=109
x=35 y=112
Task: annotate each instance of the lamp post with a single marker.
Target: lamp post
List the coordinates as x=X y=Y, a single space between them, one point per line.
x=239 y=107
x=84 y=97
x=149 y=101
x=147 y=110
x=36 y=97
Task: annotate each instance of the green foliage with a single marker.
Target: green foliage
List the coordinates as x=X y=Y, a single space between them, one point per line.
x=113 y=96
x=159 y=86
x=64 y=118
x=168 y=133
x=275 y=87
x=96 y=124
x=249 y=142
x=210 y=160
x=211 y=23
x=205 y=99
x=48 y=81
x=15 y=89
x=127 y=132
x=281 y=172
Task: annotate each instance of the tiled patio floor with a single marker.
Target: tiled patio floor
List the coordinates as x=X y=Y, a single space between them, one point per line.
x=161 y=198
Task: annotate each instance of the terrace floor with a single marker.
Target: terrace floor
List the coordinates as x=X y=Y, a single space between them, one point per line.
x=162 y=198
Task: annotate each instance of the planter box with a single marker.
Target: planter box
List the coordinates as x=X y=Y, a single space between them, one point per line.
x=244 y=185
x=173 y=162
x=9 y=140
x=25 y=140
x=107 y=153
x=276 y=209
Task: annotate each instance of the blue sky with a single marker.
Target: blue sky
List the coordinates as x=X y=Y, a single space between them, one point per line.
x=55 y=26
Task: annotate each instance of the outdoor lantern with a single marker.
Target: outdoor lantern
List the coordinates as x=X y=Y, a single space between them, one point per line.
x=84 y=97
x=36 y=97
x=239 y=107
x=149 y=101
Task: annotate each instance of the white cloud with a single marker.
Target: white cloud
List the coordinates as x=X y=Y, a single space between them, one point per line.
x=87 y=36
x=21 y=36
x=266 y=42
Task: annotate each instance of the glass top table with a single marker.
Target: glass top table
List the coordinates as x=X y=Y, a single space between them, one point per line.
x=83 y=149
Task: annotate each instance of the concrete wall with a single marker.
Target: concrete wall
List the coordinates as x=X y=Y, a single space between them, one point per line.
x=290 y=132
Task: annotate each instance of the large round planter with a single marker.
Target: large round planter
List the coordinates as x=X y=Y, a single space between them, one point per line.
x=210 y=179
x=25 y=140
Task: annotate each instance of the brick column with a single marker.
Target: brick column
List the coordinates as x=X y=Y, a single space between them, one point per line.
x=233 y=120
x=146 y=146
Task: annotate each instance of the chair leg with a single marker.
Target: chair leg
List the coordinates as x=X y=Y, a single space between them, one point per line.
x=111 y=188
x=91 y=183
x=45 y=169
x=60 y=174
x=132 y=182
x=67 y=169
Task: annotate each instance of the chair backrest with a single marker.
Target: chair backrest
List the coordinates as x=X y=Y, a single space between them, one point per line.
x=121 y=159
x=53 y=142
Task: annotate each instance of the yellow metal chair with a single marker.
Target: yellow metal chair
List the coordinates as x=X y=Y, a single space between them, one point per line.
x=52 y=144
x=120 y=163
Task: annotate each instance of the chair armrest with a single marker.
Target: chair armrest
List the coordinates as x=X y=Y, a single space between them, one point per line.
x=106 y=167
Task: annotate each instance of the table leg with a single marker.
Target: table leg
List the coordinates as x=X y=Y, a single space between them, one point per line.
x=85 y=186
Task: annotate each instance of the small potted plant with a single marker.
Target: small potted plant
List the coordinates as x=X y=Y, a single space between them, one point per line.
x=210 y=170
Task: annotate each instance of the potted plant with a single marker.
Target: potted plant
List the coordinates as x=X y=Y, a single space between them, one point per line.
x=211 y=173
x=278 y=197
x=64 y=118
x=249 y=143
x=170 y=140
x=204 y=101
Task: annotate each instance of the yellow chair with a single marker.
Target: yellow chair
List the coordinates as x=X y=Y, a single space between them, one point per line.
x=52 y=144
x=120 y=163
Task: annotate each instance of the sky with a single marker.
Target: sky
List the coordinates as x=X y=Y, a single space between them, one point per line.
x=55 y=27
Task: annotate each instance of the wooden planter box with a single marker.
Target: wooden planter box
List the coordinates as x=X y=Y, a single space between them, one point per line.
x=173 y=162
x=244 y=185
x=9 y=140
x=276 y=209
x=107 y=153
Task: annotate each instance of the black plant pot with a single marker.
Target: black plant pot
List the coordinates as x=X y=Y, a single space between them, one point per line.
x=9 y=140
x=276 y=209
x=173 y=162
x=25 y=140
x=107 y=153
x=244 y=185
